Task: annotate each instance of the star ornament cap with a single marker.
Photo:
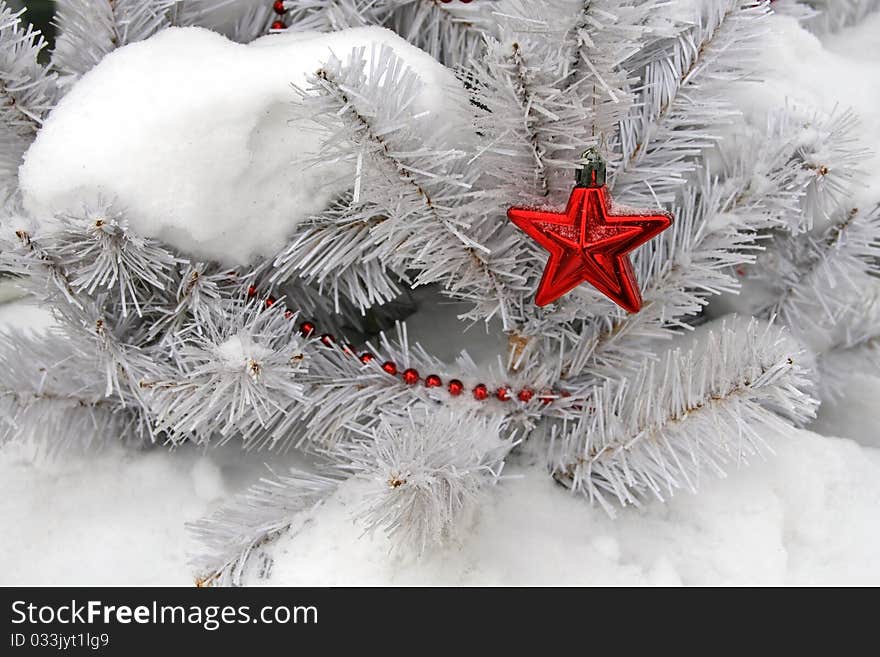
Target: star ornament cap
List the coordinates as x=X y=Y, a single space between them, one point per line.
x=587 y=243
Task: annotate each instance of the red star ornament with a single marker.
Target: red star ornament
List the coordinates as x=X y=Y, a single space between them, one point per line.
x=587 y=243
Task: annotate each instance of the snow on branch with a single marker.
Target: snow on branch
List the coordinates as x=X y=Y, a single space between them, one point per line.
x=372 y=105
x=693 y=412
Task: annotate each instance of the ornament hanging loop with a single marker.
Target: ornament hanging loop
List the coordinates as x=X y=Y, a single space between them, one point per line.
x=592 y=173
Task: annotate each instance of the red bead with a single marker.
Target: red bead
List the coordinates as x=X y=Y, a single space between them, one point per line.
x=252 y=292
x=367 y=357
x=546 y=397
x=270 y=301
x=327 y=339
x=525 y=395
x=288 y=314
x=456 y=387
x=481 y=392
x=279 y=25
x=279 y=7
x=390 y=367
x=433 y=381
x=503 y=393
x=411 y=376
x=307 y=328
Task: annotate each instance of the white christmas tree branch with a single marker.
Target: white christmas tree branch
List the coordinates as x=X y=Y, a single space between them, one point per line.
x=51 y=395
x=452 y=33
x=423 y=475
x=692 y=412
x=682 y=104
x=233 y=535
x=822 y=278
x=27 y=93
x=90 y=29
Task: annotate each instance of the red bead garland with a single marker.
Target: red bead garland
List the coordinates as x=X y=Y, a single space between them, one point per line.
x=411 y=375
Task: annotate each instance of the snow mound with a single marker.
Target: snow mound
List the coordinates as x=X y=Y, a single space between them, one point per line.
x=191 y=134
x=803 y=517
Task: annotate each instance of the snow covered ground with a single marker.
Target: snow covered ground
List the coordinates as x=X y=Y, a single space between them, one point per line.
x=808 y=515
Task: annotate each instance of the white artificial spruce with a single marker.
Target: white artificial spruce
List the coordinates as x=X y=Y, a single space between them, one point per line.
x=154 y=346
